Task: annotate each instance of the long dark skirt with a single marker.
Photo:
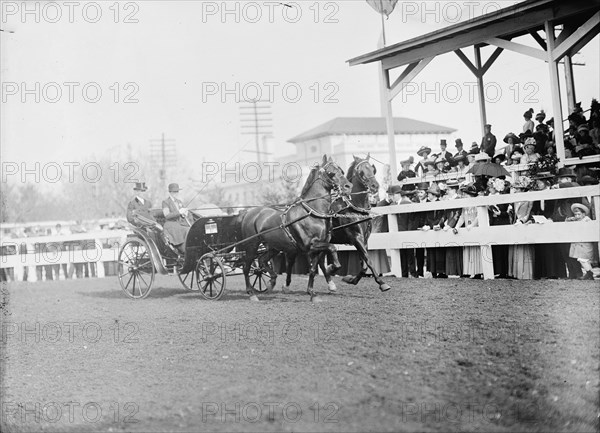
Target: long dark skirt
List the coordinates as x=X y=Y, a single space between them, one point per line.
x=454 y=261
x=549 y=261
x=436 y=260
x=500 y=253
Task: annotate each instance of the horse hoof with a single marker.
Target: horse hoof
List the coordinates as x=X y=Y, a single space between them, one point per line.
x=384 y=287
x=285 y=289
x=316 y=299
x=332 y=287
x=349 y=279
x=254 y=298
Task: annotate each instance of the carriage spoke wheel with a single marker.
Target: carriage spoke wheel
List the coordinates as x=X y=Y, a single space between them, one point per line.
x=136 y=271
x=187 y=280
x=210 y=277
x=259 y=277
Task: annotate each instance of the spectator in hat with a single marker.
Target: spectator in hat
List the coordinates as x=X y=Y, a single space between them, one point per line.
x=472 y=265
x=520 y=257
x=459 y=148
x=550 y=124
x=511 y=140
x=499 y=215
x=460 y=165
x=488 y=142
x=499 y=158
x=434 y=220
x=595 y=132
x=528 y=125
x=407 y=173
x=416 y=220
x=424 y=153
x=176 y=226
x=443 y=151
x=440 y=165
x=583 y=252
x=530 y=155
x=454 y=255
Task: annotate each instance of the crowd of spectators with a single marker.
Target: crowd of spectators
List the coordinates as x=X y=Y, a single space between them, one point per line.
x=480 y=171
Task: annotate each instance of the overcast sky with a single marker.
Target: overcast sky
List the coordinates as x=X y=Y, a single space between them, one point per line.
x=172 y=55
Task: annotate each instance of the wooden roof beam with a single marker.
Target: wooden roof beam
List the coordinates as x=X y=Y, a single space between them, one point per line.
x=519 y=48
x=407 y=77
x=584 y=33
x=539 y=39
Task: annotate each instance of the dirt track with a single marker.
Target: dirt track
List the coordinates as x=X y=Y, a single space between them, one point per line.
x=430 y=355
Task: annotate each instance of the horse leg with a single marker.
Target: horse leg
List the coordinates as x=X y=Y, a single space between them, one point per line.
x=314 y=262
x=330 y=283
x=248 y=259
x=364 y=254
x=264 y=262
x=290 y=259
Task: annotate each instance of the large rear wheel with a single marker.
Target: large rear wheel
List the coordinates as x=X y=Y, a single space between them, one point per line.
x=188 y=281
x=136 y=271
x=259 y=278
x=210 y=277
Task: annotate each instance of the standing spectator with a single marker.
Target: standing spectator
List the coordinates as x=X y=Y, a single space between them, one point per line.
x=459 y=150
x=407 y=173
x=454 y=262
x=423 y=152
x=59 y=232
x=436 y=257
x=472 y=265
x=499 y=216
x=582 y=251
x=417 y=220
x=520 y=257
x=528 y=125
x=488 y=142
x=443 y=151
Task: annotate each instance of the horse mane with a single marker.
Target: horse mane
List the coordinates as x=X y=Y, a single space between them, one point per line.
x=309 y=180
x=351 y=169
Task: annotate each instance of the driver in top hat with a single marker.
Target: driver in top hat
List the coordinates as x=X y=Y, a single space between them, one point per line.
x=176 y=225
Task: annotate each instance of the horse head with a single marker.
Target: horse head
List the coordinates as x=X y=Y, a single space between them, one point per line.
x=331 y=178
x=361 y=171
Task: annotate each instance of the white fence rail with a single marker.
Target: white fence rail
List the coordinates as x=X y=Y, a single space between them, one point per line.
x=485 y=236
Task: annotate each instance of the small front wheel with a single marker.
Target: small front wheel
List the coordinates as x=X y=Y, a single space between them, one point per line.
x=210 y=277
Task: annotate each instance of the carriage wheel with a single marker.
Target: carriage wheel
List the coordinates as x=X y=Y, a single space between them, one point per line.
x=210 y=277
x=259 y=278
x=187 y=280
x=136 y=271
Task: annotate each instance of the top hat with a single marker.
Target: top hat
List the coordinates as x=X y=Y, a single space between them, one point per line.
x=566 y=172
x=458 y=143
x=140 y=186
x=581 y=207
x=424 y=149
x=513 y=136
x=443 y=142
x=423 y=186
x=174 y=187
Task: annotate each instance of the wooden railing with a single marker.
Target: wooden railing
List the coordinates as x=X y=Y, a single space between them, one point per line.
x=484 y=236
x=98 y=247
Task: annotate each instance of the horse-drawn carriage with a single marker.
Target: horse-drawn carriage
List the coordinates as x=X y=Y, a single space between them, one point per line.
x=219 y=246
x=210 y=257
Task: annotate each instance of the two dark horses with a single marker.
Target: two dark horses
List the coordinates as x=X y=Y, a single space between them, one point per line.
x=306 y=225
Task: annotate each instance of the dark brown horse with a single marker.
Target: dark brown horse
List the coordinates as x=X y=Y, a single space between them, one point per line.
x=304 y=226
x=345 y=229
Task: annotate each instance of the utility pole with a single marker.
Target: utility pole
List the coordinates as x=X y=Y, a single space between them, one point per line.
x=163 y=156
x=255 y=118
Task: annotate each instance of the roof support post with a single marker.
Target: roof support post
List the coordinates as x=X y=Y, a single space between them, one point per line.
x=481 y=90
x=555 y=90
x=386 y=105
x=570 y=82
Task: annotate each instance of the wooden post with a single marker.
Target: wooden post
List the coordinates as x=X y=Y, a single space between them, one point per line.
x=487 y=262
x=570 y=83
x=480 y=90
x=396 y=264
x=596 y=201
x=555 y=90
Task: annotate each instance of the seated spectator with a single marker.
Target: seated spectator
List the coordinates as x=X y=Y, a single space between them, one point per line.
x=530 y=154
x=512 y=140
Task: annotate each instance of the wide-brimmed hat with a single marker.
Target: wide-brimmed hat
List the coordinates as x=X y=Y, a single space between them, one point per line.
x=540 y=115
x=140 y=186
x=525 y=135
x=523 y=182
x=458 y=143
x=482 y=156
x=410 y=160
x=423 y=186
x=424 y=149
x=543 y=175
x=434 y=189
x=583 y=208
x=500 y=155
x=583 y=127
x=589 y=180
x=529 y=142
x=440 y=159
x=550 y=121
x=429 y=162
x=469 y=188
x=174 y=187
x=513 y=136
x=566 y=172
x=394 y=189
x=461 y=157
x=452 y=183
